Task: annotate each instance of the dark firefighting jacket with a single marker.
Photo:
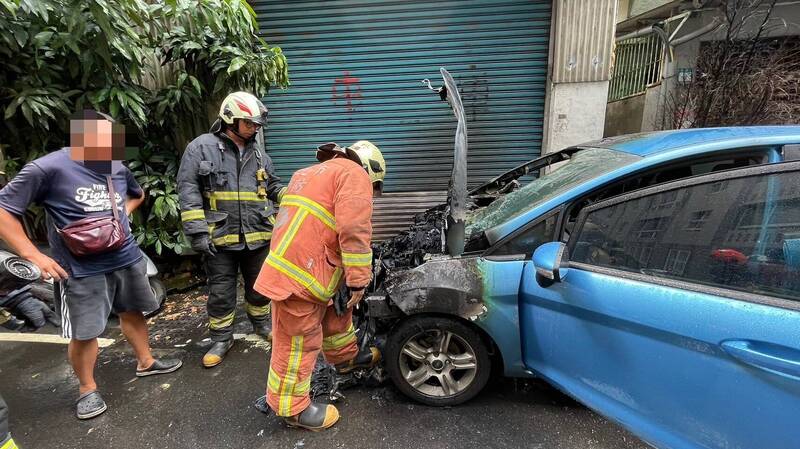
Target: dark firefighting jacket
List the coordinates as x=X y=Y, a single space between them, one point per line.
x=231 y=194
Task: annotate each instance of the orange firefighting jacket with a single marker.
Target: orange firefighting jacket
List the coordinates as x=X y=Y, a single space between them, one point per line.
x=322 y=232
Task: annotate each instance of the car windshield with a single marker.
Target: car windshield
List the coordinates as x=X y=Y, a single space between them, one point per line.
x=584 y=165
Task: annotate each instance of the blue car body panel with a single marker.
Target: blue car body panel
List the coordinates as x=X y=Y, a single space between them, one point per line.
x=586 y=348
x=743 y=137
x=646 y=144
x=501 y=282
x=618 y=346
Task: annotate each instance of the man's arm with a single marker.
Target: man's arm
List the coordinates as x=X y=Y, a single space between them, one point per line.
x=29 y=186
x=131 y=204
x=135 y=196
x=12 y=232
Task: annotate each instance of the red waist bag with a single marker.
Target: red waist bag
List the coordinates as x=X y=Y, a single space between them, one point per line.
x=95 y=235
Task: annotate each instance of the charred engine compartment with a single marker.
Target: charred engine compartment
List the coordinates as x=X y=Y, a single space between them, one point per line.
x=409 y=248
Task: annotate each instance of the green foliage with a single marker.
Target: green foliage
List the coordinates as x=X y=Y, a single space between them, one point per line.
x=161 y=67
x=156 y=172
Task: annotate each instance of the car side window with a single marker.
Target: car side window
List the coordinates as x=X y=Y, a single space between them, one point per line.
x=530 y=239
x=741 y=234
x=743 y=157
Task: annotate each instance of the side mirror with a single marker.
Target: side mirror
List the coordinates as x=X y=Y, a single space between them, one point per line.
x=550 y=261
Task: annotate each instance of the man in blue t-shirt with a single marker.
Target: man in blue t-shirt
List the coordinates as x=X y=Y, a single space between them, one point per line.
x=71 y=184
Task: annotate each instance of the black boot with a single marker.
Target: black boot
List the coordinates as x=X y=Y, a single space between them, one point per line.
x=262 y=326
x=366 y=358
x=217 y=352
x=316 y=417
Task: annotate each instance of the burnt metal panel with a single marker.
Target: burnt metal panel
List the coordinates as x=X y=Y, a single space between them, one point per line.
x=356 y=67
x=583 y=40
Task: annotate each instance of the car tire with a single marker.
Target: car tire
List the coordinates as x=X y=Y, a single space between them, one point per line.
x=160 y=292
x=412 y=353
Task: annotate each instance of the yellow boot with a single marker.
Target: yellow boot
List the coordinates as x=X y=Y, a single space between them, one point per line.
x=216 y=353
x=316 y=417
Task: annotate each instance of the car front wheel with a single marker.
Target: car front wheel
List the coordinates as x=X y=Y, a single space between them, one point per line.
x=437 y=360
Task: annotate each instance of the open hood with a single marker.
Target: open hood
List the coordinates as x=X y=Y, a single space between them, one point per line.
x=457 y=197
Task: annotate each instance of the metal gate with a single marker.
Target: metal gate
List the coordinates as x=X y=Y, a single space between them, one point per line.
x=356 y=66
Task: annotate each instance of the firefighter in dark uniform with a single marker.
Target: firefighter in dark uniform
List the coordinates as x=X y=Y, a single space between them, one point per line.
x=228 y=195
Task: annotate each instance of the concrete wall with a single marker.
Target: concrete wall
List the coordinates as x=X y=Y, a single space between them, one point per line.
x=637 y=7
x=581 y=41
x=576 y=114
x=651 y=115
x=623 y=8
x=624 y=116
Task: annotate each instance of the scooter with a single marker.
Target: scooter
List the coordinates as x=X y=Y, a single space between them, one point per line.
x=17 y=273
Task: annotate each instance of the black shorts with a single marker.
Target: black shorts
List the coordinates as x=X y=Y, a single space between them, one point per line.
x=86 y=303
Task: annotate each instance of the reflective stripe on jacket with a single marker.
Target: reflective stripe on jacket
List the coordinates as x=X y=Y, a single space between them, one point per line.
x=322 y=234
x=218 y=192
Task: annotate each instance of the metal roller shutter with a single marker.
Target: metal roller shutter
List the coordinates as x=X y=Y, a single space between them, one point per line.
x=356 y=65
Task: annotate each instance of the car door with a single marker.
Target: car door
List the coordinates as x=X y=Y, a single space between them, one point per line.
x=675 y=310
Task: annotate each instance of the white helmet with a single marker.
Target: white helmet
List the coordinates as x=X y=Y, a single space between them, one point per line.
x=242 y=105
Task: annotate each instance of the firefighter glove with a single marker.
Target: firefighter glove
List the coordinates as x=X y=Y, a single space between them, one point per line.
x=202 y=244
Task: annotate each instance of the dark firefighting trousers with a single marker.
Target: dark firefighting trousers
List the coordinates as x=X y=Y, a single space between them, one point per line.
x=223 y=272
x=300 y=328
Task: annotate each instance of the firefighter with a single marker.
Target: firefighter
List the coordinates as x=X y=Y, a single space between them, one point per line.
x=321 y=238
x=228 y=194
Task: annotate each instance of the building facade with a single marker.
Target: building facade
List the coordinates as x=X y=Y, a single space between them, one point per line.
x=662 y=49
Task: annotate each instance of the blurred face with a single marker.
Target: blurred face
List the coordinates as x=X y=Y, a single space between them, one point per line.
x=96 y=140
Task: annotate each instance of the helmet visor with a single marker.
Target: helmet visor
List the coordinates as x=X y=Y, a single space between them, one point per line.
x=260 y=119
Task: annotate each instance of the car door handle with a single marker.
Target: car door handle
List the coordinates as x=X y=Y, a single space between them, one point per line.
x=770 y=357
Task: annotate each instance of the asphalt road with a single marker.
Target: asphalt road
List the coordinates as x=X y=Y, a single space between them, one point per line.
x=201 y=408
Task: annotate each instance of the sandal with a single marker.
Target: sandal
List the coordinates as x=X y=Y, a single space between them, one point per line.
x=162 y=366
x=90 y=405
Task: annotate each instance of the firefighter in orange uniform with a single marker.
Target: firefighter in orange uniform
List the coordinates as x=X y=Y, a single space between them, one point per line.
x=321 y=238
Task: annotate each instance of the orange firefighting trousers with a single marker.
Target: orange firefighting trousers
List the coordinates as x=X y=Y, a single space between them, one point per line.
x=300 y=328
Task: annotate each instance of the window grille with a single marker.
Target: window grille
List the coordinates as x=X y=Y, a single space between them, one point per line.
x=637 y=65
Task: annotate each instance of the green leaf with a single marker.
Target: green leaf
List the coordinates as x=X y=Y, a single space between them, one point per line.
x=191 y=46
x=101 y=18
x=42 y=38
x=11 y=109
x=26 y=112
x=196 y=85
x=21 y=36
x=74 y=47
x=113 y=108
x=236 y=64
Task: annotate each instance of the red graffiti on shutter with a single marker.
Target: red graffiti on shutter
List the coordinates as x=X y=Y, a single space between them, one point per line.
x=344 y=90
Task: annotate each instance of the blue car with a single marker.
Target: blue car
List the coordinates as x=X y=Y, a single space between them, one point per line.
x=653 y=277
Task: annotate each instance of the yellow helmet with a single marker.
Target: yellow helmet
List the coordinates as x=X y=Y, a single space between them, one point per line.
x=371 y=159
x=242 y=105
